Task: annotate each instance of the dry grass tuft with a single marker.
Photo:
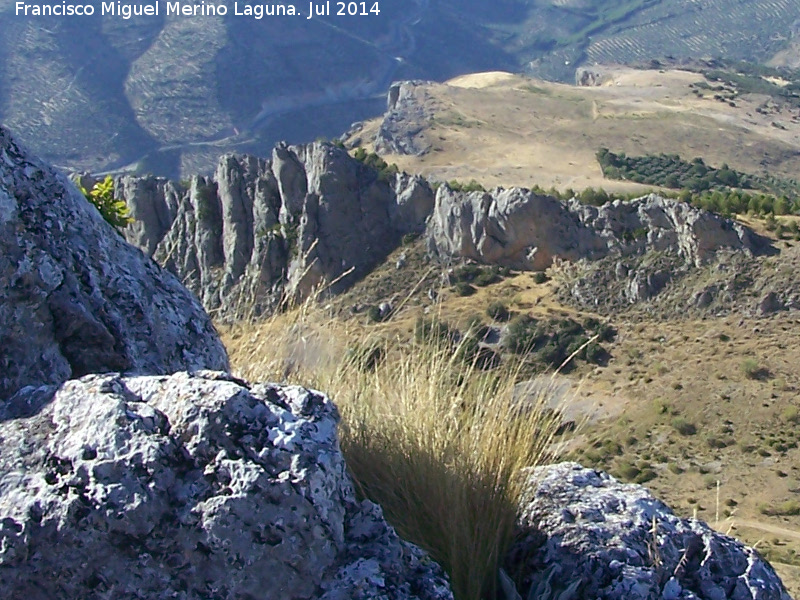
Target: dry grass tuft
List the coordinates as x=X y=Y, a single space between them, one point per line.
x=437 y=443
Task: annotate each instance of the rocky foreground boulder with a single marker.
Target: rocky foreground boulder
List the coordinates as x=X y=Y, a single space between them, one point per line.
x=192 y=486
x=75 y=298
x=259 y=230
x=581 y=530
x=522 y=230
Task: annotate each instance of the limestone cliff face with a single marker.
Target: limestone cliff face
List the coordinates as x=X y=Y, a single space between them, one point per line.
x=259 y=231
x=408 y=114
x=522 y=230
x=75 y=298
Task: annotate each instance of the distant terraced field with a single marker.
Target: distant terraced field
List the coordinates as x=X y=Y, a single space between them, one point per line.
x=690 y=28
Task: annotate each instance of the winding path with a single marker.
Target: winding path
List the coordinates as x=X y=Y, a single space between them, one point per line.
x=766 y=527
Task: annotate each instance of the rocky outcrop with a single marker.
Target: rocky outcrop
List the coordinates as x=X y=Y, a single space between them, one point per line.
x=522 y=230
x=408 y=114
x=514 y=228
x=192 y=486
x=580 y=529
x=75 y=298
x=586 y=77
x=260 y=231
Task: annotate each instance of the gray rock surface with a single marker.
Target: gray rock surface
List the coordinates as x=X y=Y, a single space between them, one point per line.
x=770 y=303
x=260 y=231
x=408 y=115
x=522 y=230
x=590 y=77
x=192 y=486
x=581 y=524
x=75 y=298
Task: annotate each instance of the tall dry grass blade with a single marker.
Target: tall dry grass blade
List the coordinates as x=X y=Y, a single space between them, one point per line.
x=437 y=442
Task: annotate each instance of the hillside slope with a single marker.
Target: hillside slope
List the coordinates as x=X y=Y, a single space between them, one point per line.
x=510 y=130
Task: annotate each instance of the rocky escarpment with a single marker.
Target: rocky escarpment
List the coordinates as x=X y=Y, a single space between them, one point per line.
x=259 y=231
x=614 y=256
x=522 y=230
x=582 y=530
x=75 y=298
x=409 y=113
x=192 y=486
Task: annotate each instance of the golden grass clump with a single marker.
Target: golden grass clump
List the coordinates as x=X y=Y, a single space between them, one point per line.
x=439 y=444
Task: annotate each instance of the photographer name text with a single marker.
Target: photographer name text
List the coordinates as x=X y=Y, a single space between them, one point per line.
x=202 y=9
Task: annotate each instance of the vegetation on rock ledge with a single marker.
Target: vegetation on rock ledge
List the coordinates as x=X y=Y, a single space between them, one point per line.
x=113 y=210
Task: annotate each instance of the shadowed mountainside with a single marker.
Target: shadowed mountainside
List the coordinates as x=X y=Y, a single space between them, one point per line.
x=169 y=95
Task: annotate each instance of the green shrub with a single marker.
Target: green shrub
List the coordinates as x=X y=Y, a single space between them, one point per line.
x=487 y=277
x=594 y=353
x=463 y=288
x=472 y=186
x=791 y=414
x=114 y=211
x=498 y=311
x=374 y=314
x=466 y=272
x=410 y=238
x=480 y=276
x=477 y=328
x=789 y=508
x=591 y=323
x=523 y=335
x=684 y=427
x=539 y=277
x=627 y=471
x=606 y=333
x=718 y=443
x=752 y=370
x=553 y=342
x=645 y=475
x=434 y=331
x=371 y=159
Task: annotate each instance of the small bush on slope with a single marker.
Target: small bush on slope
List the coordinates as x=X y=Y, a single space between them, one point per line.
x=436 y=442
x=114 y=211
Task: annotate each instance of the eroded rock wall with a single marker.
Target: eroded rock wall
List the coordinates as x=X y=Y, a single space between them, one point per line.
x=522 y=230
x=75 y=298
x=261 y=231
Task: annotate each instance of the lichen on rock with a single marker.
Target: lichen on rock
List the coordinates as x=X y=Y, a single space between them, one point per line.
x=192 y=486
